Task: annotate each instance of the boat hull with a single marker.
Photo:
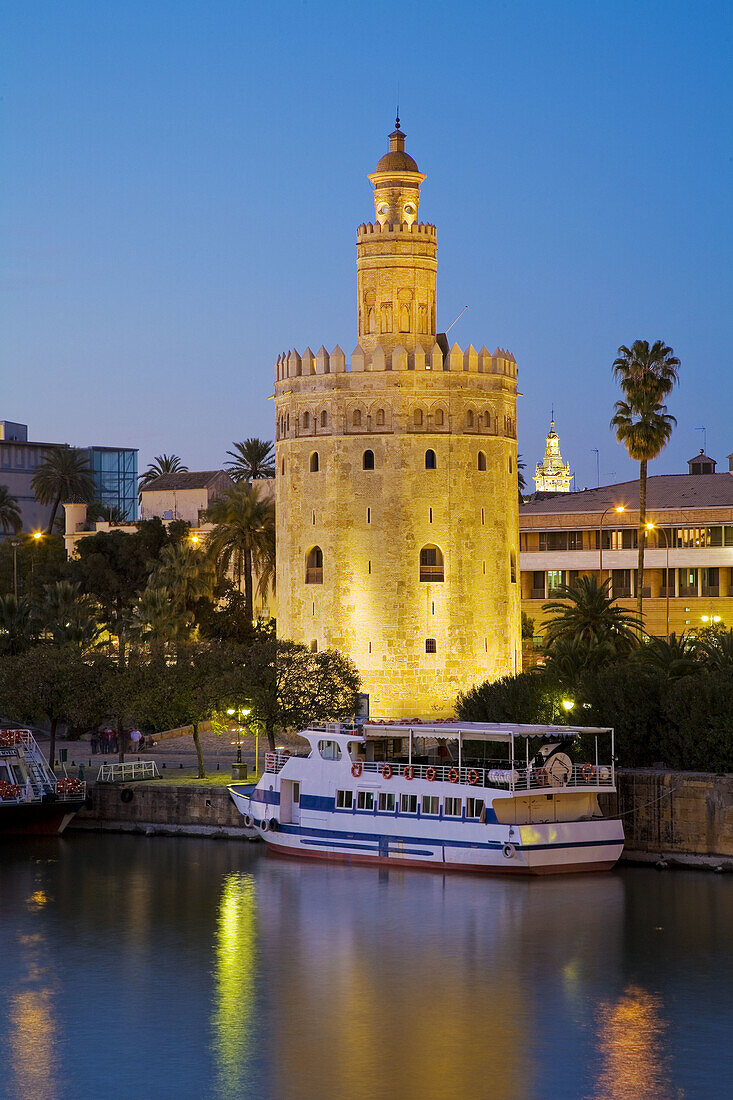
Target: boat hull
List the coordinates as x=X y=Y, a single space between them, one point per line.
x=559 y=848
x=37 y=818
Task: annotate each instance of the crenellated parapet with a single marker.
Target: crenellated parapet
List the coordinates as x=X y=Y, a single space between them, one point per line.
x=368 y=230
x=428 y=357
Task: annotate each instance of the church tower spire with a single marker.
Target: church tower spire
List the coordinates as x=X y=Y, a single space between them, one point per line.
x=396 y=257
x=552 y=475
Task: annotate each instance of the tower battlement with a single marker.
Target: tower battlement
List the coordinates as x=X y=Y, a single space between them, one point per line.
x=428 y=357
x=367 y=230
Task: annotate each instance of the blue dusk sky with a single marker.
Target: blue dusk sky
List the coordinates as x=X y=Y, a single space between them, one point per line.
x=182 y=183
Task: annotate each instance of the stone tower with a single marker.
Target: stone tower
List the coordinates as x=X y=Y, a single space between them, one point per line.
x=397 y=529
x=552 y=475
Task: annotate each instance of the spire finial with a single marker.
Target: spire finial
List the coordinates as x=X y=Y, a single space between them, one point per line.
x=397 y=120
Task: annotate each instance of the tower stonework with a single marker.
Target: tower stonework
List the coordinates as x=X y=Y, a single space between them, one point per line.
x=396 y=491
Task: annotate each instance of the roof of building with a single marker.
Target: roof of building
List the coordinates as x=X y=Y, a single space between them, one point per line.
x=397 y=161
x=193 y=479
x=664 y=491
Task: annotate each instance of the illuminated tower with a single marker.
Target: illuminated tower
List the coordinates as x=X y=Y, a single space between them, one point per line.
x=552 y=475
x=397 y=529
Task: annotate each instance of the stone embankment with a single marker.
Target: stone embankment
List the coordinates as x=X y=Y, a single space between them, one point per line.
x=675 y=817
x=157 y=808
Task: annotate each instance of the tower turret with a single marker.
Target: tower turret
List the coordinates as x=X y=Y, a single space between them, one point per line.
x=396 y=257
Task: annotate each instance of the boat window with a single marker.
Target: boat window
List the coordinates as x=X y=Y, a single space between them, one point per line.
x=355 y=750
x=430 y=804
x=344 y=800
x=329 y=750
x=387 y=802
x=365 y=800
x=452 y=807
x=408 y=803
x=475 y=807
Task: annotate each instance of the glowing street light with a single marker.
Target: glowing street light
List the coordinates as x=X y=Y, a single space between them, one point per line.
x=244 y=712
x=568 y=704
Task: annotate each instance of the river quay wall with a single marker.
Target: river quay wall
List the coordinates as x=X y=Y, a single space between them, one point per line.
x=681 y=818
x=678 y=817
x=161 y=809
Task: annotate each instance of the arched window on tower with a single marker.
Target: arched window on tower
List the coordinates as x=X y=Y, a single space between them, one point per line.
x=380 y=418
x=481 y=460
x=417 y=418
x=431 y=564
x=356 y=419
x=314 y=566
x=469 y=418
x=487 y=420
x=368 y=460
x=282 y=468
x=431 y=462
x=513 y=566
x=324 y=419
x=439 y=418
x=314 y=463
x=306 y=421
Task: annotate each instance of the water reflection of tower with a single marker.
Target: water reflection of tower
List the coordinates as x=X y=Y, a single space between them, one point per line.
x=439 y=982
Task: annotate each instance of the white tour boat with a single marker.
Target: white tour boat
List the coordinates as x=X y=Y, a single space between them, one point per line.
x=451 y=795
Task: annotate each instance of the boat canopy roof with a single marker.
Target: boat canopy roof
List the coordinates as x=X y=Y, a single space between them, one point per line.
x=449 y=731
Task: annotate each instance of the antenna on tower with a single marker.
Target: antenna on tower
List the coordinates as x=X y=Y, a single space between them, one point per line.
x=397 y=120
x=594 y=450
x=450 y=326
x=704 y=438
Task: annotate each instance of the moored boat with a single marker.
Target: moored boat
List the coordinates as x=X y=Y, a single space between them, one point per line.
x=463 y=796
x=32 y=799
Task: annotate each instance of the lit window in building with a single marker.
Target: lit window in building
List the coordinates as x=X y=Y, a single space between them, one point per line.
x=430 y=460
x=431 y=564
x=314 y=566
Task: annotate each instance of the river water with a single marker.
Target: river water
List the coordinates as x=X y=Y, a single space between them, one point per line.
x=164 y=967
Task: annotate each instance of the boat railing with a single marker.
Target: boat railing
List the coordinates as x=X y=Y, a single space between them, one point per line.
x=131 y=770
x=276 y=761
x=581 y=776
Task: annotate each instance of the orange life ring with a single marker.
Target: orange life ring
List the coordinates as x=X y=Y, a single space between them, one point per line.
x=543 y=779
x=473 y=777
x=356 y=770
x=588 y=771
x=408 y=772
x=387 y=771
x=453 y=775
x=430 y=774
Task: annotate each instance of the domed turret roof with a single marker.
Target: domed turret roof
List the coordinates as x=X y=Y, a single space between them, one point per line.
x=396 y=160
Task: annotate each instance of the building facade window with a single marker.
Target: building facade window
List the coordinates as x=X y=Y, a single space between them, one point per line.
x=356 y=419
x=431 y=564
x=431 y=462
x=306 y=421
x=314 y=465
x=380 y=418
x=481 y=460
x=439 y=418
x=555 y=579
x=324 y=419
x=513 y=566
x=469 y=419
x=314 y=566
x=368 y=460
x=417 y=418
x=687 y=582
x=431 y=645
x=621 y=583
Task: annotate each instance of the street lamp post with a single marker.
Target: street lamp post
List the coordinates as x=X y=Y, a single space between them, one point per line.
x=653 y=527
x=617 y=508
x=15 y=544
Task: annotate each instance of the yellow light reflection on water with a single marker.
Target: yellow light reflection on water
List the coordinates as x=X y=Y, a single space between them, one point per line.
x=235 y=969
x=632 y=1059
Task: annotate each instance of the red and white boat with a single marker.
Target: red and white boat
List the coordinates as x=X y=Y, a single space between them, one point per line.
x=33 y=800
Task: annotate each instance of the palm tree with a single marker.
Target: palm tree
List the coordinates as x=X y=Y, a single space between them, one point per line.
x=186 y=573
x=572 y=656
x=64 y=475
x=243 y=536
x=161 y=464
x=254 y=458
x=17 y=625
x=69 y=617
x=586 y=611
x=110 y=513
x=674 y=657
x=10 y=517
x=716 y=650
x=157 y=619
x=521 y=484
x=646 y=376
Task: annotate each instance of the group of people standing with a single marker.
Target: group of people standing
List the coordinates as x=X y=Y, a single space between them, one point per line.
x=107 y=741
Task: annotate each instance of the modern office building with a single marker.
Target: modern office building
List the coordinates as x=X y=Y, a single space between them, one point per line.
x=688 y=562
x=114 y=470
